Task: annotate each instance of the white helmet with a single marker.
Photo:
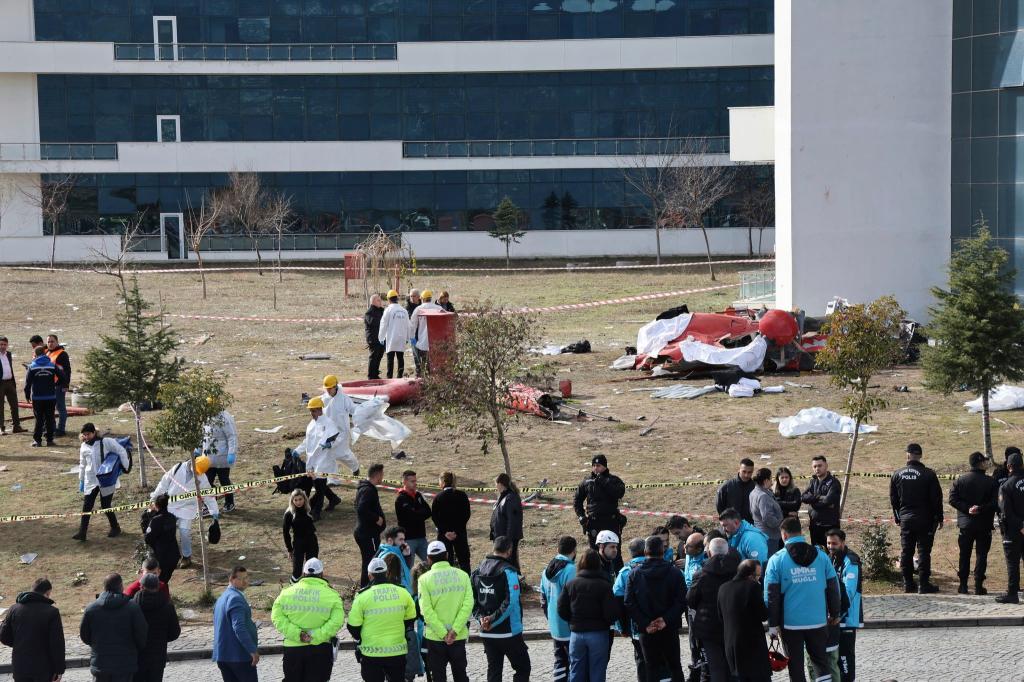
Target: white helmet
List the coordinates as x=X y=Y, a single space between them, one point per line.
x=606 y=537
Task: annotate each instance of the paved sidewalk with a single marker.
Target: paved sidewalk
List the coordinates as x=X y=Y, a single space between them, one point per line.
x=892 y=611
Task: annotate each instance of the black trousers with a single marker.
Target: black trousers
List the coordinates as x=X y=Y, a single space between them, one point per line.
x=393 y=356
x=89 y=501
x=698 y=666
x=458 y=549
x=917 y=537
x=224 y=475
x=373 y=366
x=308 y=663
x=718 y=665
x=1012 y=546
x=848 y=654
x=514 y=557
x=151 y=674
x=112 y=677
x=979 y=540
x=497 y=649
x=560 y=669
x=818 y=532
x=440 y=656
x=661 y=652
x=302 y=551
x=9 y=392
x=368 y=546
x=320 y=491
x=43 y=411
x=383 y=668
x=815 y=641
x=638 y=660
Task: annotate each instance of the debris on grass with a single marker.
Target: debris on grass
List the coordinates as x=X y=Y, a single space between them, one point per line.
x=273 y=430
x=315 y=356
x=644 y=431
x=683 y=391
x=16 y=487
x=819 y=420
x=28 y=558
x=79 y=579
x=199 y=341
x=796 y=385
x=1000 y=398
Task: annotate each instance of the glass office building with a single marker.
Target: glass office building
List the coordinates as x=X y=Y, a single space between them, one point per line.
x=415 y=115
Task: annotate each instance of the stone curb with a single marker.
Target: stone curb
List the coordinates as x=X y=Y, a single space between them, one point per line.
x=534 y=635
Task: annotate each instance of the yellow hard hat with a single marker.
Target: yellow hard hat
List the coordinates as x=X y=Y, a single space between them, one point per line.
x=392 y=294
x=315 y=403
x=427 y=293
x=202 y=464
x=330 y=381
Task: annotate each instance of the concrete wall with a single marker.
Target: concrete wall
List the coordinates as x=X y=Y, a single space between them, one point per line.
x=19 y=108
x=862 y=105
x=425 y=57
x=752 y=134
x=19 y=212
x=16 y=21
x=725 y=241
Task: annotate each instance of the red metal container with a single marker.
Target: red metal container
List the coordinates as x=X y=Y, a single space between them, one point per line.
x=565 y=386
x=441 y=333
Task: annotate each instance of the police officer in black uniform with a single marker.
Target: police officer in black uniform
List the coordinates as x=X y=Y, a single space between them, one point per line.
x=597 y=501
x=1011 y=511
x=1002 y=472
x=975 y=497
x=916 y=498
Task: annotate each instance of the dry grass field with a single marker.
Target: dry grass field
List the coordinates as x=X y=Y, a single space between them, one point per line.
x=692 y=440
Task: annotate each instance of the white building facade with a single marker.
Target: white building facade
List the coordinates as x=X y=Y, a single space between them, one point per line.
x=415 y=115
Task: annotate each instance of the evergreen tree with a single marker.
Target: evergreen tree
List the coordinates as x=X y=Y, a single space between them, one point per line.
x=131 y=366
x=506 y=226
x=978 y=324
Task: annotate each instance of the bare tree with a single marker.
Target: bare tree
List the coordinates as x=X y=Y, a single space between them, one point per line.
x=695 y=187
x=245 y=200
x=113 y=264
x=8 y=192
x=756 y=204
x=52 y=201
x=277 y=217
x=649 y=173
x=202 y=221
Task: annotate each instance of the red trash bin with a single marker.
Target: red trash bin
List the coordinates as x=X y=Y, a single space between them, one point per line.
x=441 y=335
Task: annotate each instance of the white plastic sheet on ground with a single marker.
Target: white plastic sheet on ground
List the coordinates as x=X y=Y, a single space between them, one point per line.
x=819 y=420
x=749 y=358
x=654 y=336
x=1000 y=399
x=370 y=420
x=623 y=362
x=744 y=388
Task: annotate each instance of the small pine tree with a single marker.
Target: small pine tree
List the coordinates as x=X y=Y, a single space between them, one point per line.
x=507 y=218
x=862 y=339
x=131 y=366
x=189 y=403
x=978 y=324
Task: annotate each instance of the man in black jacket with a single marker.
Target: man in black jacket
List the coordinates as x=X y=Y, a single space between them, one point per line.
x=41 y=391
x=371 y=321
x=975 y=496
x=1011 y=524
x=822 y=496
x=412 y=512
x=8 y=389
x=33 y=629
x=451 y=513
x=163 y=627
x=115 y=630
x=655 y=599
x=369 y=519
x=59 y=355
x=916 y=498
x=735 y=493
x=702 y=600
x=597 y=501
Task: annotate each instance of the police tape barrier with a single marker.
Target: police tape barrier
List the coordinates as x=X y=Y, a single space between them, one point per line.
x=417 y=270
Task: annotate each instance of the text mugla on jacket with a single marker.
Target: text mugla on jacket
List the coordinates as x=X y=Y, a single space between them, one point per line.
x=822 y=495
x=115 y=630
x=553 y=580
x=801 y=587
x=970 y=489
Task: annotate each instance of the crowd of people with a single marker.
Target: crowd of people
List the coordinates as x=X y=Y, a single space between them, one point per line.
x=756 y=571
x=47 y=379
x=391 y=327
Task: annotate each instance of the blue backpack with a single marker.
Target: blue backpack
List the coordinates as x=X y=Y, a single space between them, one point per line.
x=110 y=464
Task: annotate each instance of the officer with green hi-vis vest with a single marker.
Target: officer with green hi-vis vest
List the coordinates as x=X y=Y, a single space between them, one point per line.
x=446 y=603
x=309 y=614
x=381 y=615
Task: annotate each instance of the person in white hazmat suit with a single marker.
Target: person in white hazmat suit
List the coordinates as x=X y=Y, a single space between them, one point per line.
x=318 y=446
x=418 y=330
x=339 y=408
x=177 y=481
x=220 y=444
x=394 y=334
x=91 y=454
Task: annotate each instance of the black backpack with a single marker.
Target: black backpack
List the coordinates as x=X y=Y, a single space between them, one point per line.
x=291 y=466
x=489 y=592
